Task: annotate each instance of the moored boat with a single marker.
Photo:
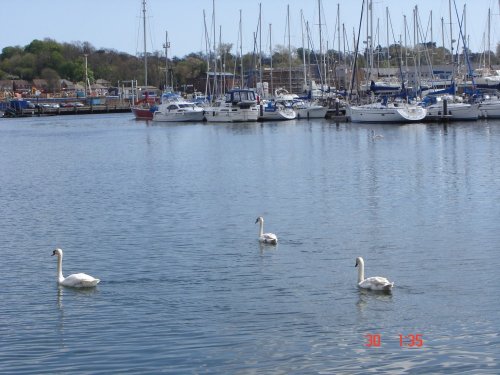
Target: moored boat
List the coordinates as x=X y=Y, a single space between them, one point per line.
x=178 y=111
x=490 y=107
x=238 y=105
x=386 y=113
x=450 y=108
x=272 y=110
x=307 y=110
x=144 y=111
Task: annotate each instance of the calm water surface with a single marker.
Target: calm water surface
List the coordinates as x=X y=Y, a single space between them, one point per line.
x=164 y=216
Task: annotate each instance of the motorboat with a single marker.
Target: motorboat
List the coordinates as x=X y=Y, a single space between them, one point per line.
x=490 y=107
x=272 y=110
x=238 y=105
x=178 y=111
x=450 y=108
x=306 y=109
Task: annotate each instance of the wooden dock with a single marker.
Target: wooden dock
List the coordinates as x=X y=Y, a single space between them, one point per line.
x=74 y=110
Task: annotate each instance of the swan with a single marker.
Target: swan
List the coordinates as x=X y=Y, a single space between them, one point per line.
x=76 y=280
x=265 y=237
x=372 y=283
x=376 y=136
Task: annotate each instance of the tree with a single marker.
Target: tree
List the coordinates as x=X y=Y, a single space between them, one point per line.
x=52 y=78
x=189 y=69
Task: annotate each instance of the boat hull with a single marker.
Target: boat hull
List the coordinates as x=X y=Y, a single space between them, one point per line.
x=386 y=114
x=178 y=117
x=231 y=114
x=311 y=112
x=276 y=113
x=490 y=109
x=143 y=113
x=455 y=112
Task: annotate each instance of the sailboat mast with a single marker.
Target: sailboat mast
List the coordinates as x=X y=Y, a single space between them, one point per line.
x=321 y=44
x=289 y=48
x=145 y=52
x=208 y=51
x=417 y=36
x=338 y=30
x=260 y=50
x=465 y=27
x=406 y=43
x=241 y=53
x=371 y=34
x=432 y=41
x=451 y=34
x=167 y=46
x=489 y=45
x=432 y=32
x=303 y=47
x=442 y=35
x=388 y=40
x=271 y=56
x=215 y=49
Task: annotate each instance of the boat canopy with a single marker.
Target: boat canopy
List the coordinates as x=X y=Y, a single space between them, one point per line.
x=237 y=96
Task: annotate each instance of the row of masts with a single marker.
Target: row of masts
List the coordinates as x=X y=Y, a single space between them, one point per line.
x=216 y=63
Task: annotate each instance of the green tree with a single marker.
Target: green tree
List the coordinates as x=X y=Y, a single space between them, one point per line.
x=189 y=69
x=52 y=78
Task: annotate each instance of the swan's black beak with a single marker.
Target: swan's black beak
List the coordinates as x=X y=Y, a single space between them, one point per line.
x=53 y=253
x=257 y=220
x=356 y=264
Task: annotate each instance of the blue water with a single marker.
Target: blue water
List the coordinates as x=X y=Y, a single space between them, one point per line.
x=165 y=217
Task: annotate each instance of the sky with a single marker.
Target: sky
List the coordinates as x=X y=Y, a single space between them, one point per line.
x=117 y=24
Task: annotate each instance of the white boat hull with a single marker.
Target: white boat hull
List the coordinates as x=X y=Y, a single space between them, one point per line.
x=490 y=109
x=225 y=114
x=386 y=114
x=178 y=117
x=276 y=113
x=455 y=112
x=311 y=112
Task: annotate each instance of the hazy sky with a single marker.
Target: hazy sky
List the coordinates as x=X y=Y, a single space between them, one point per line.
x=117 y=24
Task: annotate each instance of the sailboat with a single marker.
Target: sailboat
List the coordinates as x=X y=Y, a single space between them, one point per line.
x=383 y=111
x=273 y=109
x=144 y=108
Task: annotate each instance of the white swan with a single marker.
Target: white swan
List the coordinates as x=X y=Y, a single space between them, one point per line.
x=265 y=237
x=77 y=280
x=376 y=136
x=372 y=283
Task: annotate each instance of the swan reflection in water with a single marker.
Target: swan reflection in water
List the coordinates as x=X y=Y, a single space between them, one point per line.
x=369 y=297
x=264 y=248
x=61 y=290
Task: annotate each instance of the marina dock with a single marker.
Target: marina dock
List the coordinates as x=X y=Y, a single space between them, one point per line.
x=74 y=110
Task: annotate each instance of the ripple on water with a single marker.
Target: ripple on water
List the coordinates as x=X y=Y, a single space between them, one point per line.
x=165 y=217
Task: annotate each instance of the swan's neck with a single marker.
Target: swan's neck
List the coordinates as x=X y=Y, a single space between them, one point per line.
x=361 y=271
x=261 y=228
x=60 y=276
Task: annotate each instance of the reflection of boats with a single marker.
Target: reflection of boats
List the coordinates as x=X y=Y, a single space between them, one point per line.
x=178 y=111
x=384 y=112
x=275 y=111
x=238 y=105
